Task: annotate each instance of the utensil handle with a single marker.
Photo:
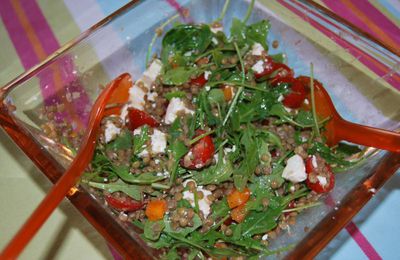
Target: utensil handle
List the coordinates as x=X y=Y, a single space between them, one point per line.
x=368 y=136
x=70 y=177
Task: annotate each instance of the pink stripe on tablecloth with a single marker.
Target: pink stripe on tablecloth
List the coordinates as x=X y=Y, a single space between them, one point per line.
x=17 y=35
x=377 y=67
x=340 y=9
x=40 y=25
x=362 y=241
x=374 y=17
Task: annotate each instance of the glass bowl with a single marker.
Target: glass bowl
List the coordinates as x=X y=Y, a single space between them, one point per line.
x=358 y=71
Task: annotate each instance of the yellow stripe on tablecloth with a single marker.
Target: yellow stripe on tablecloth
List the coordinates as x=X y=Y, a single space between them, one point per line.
x=62 y=24
x=11 y=66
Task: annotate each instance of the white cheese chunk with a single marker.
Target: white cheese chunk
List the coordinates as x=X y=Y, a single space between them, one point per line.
x=175 y=105
x=153 y=70
x=257 y=49
x=217 y=29
x=295 y=170
x=158 y=142
x=137 y=93
x=152 y=96
x=314 y=161
x=207 y=74
x=322 y=180
x=258 y=67
x=204 y=203
x=111 y=131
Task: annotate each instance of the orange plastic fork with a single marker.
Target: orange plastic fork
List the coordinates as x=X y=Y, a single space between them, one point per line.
x=115 y=92
x=338 y=129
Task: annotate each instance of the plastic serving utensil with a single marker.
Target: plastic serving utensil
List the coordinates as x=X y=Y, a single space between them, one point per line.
x=116 y=91
x=338 y=129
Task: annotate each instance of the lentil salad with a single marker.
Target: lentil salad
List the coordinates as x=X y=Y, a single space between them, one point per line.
x=218 y=148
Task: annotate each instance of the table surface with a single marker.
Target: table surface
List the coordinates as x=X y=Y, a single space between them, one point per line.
x=372 y=234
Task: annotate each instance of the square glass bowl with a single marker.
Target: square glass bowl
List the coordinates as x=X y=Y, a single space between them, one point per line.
x=358 y=71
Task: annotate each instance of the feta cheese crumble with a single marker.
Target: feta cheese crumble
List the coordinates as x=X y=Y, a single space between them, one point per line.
x=258 y=67
x=217 y=29
x=322 y=180
x=295 y=170
x=111 y=131
x=204 y=203
x=207 y=74
x=141 y=87
x=175 y=105
x=257 y=49
x=158 y=142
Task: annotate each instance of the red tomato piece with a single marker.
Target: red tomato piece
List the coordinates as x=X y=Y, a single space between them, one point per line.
x=282 y=71
x=318 y=186
x=125 y=203
x=138 y=118
x=199 y=80
x=295 y=98
x=200 y=154
x=269 y=67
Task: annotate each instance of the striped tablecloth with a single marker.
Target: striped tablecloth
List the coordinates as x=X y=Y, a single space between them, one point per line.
x=30 y=30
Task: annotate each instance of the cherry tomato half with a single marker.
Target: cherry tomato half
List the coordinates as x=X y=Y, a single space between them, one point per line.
x=138 y=118
x=296 y=96
x=268 y=66
x=200 y=154
x=318 y=186
x=124 y=203
x=282 y=71
x=199 y=80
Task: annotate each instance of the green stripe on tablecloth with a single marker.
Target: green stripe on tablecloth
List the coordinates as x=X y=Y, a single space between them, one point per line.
x=62 y=24
x=11 y=65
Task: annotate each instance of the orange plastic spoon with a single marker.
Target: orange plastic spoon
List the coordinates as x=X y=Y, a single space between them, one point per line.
x=338 y=129
x=115 y=91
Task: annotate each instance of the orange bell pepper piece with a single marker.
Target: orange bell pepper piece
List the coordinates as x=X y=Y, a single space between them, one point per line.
x=237 y=198
x=156 y=209
x=239 y=213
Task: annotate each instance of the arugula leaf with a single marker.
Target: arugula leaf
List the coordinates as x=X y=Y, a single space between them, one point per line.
x=250 y=161
x=216 y=96
x=163 y=241
x=143 y=178
x=123 y=141
x=133 y=191
x=139 y=140
x=182 y=231
x=304 y=117
x=153 y=229
x=184 y=38
x=215 y=174
x=260 y=222
x=337 y=161
x=177 y=76
x=248 y=35
x=175 y=94
x=346 y=149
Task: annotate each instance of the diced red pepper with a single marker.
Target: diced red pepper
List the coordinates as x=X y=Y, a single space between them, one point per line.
x=124 y=203
x=138 y=118
x=200 y=154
